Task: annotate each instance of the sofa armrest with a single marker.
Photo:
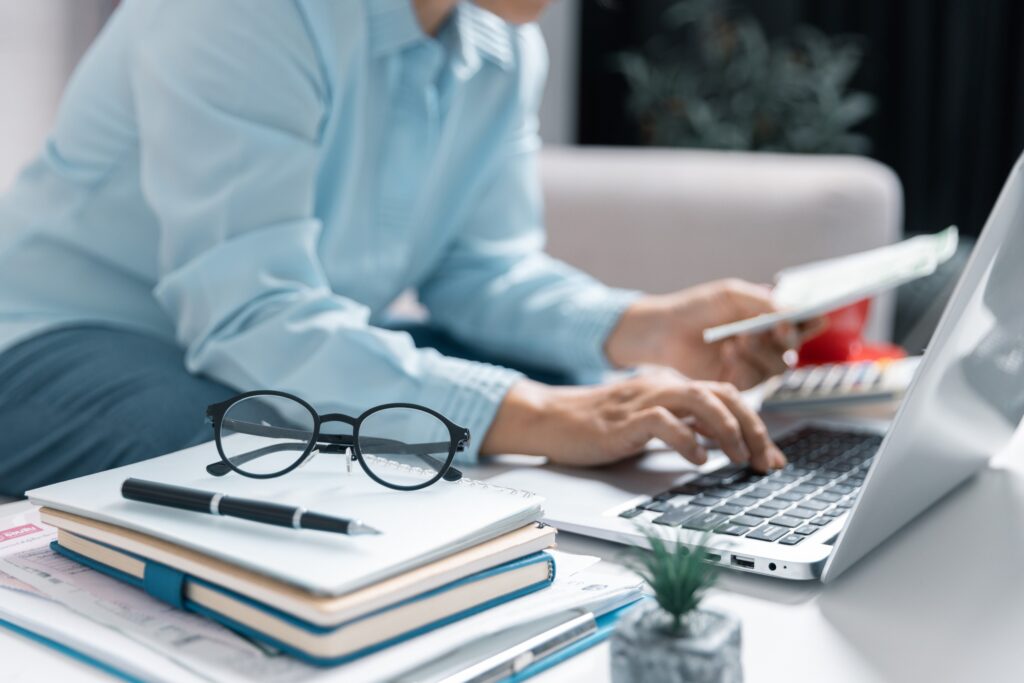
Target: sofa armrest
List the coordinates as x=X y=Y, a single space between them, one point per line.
x=662 y=219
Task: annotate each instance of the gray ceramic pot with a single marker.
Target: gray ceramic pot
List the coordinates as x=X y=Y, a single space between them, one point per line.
x=643 y=649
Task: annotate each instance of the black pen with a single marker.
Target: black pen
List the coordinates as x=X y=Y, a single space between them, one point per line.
x=213 y=503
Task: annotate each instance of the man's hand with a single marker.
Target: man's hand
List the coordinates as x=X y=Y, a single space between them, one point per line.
x=667 y=330
x=598 y=425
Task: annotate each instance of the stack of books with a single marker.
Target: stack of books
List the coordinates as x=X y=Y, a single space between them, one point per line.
x=446 y=552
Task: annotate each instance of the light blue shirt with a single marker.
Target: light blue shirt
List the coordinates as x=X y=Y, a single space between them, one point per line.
x=258 y=181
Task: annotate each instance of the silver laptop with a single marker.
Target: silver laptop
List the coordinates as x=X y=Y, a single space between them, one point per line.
x=850 y=484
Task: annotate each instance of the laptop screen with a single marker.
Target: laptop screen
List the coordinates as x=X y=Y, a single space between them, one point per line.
x=968 y=397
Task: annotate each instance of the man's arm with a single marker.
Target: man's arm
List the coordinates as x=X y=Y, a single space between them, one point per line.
x=497 y=289
x=230 y=101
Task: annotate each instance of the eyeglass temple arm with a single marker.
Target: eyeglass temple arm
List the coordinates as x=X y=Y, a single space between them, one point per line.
x=336 y=443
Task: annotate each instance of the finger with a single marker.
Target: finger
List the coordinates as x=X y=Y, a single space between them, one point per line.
x=763 y=353
x=738 y=370
x=809 y=329
x=764 y=454
x=749 y=299
x=717 y=420
x=786 y=335
x=659 y=422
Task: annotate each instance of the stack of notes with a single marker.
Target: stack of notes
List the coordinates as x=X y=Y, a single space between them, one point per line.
x=445 y=554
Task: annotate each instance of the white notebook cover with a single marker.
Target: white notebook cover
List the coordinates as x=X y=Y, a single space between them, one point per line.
x=418 y=526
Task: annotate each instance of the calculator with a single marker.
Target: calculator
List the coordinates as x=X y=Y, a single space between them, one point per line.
x=832 y=384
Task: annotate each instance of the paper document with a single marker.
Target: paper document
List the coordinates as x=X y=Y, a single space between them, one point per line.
x=109 y=612
x=814 y=289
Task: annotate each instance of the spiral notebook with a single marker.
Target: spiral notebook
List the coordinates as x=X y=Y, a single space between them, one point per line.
x=418 y=527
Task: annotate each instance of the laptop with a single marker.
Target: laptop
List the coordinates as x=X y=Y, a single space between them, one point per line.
x=849 y=484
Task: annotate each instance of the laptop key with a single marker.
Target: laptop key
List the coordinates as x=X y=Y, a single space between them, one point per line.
x=787 y=521
x=791 y=497
x=677 y=516
x=820 y=521
x=718 y=492
x=687 y=489
x=801 y=513
x=759 y=492
x=733 y=474
x=704 y=522
x=728 y=509
x=803 y=488
x=827 y=497
x=656 y=506
x=747 y=520
x=842 y=489
x=806 y=530
x=764 y=512
x=792 y=539
x=776 y=504
x=705 y=501
x=815 y=505
x=768 y=533
x=631 y=513
x=732 y=530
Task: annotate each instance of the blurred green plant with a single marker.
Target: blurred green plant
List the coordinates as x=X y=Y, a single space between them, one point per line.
x=713 y=79
x=679 y=577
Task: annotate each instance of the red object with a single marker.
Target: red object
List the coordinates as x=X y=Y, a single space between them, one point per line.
x=843 y=341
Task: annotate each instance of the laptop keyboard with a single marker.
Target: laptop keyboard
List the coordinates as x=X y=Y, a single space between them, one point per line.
x=821 y=482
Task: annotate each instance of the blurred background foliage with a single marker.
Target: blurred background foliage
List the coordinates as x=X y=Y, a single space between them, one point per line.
x=712 y=78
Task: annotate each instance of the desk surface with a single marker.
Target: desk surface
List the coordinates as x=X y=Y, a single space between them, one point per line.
x=943 y=600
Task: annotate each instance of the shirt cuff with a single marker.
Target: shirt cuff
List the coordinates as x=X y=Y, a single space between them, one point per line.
x=468 y=393
x=588 y=326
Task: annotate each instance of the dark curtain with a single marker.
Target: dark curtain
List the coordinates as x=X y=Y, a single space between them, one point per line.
x=948 y=76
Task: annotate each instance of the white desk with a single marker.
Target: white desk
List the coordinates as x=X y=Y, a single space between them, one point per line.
x=943 y=600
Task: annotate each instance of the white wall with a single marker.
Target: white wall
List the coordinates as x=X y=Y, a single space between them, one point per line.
x=40 y=42
x=560 y=25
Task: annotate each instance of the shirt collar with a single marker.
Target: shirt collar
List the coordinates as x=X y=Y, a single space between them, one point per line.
x=393 y=26
x=479 y=34
x=482 y=34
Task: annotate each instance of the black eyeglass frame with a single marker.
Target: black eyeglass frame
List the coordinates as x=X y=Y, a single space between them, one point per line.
x=334 y=443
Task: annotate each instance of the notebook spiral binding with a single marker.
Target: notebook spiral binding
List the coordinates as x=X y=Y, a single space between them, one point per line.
x=465 y=481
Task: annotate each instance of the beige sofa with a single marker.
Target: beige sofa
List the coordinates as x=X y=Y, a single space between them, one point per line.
x=661 y=219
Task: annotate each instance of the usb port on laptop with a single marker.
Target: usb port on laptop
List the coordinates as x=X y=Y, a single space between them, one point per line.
x=744 y=562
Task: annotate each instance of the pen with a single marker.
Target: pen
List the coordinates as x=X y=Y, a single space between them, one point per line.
x=213 y=503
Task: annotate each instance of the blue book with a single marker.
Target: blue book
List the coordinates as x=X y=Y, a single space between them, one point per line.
x=316 y=643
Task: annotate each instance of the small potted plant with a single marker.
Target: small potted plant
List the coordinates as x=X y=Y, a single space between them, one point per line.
x=669 y=638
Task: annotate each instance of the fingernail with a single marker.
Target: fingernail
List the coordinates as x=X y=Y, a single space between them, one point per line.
x=701 y=455
x=780 y=459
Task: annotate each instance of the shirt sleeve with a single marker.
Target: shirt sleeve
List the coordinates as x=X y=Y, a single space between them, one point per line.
x=496 y=288
x=230 y=104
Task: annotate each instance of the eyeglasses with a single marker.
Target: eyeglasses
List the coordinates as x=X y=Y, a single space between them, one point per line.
x=402 y=446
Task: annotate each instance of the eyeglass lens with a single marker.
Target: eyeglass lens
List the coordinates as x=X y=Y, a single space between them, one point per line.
x=266 y=434
x=404 y=446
